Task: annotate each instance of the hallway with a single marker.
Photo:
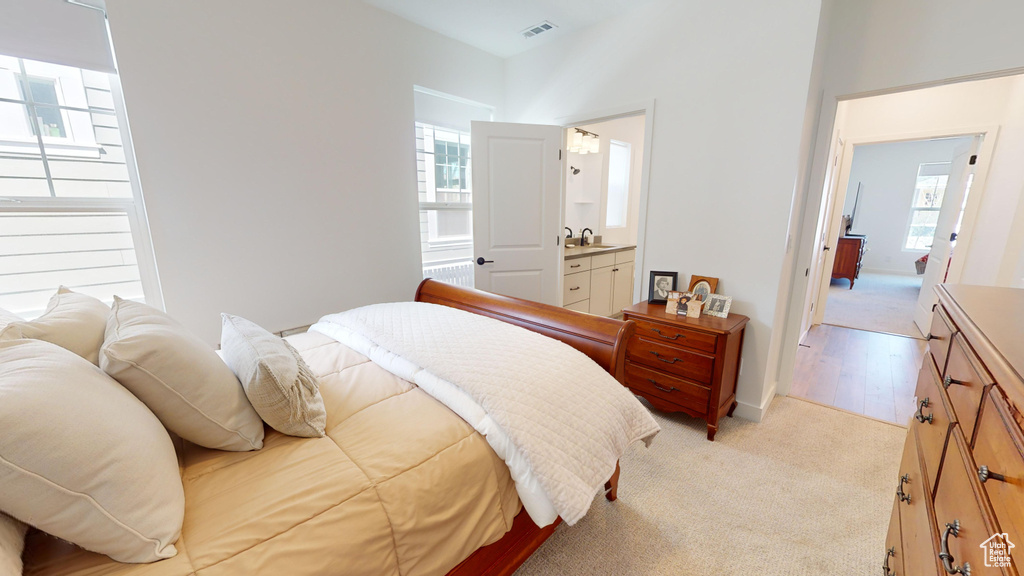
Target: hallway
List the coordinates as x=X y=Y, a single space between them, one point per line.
x=866 y=373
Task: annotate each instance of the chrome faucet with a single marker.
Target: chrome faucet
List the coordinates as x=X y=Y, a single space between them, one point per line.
x=569 y=235
x=583 y=236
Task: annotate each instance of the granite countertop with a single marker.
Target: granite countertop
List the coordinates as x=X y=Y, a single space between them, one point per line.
x=581 y=251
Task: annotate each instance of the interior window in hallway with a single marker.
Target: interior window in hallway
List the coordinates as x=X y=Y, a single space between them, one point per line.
x=863 y=372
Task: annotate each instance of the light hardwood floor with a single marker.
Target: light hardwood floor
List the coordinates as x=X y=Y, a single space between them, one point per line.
x=867 y=373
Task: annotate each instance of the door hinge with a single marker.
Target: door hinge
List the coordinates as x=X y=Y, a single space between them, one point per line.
x=558 y=240
x=807 y=272
x=974 y=159
x=559 y=153
x=835 y=161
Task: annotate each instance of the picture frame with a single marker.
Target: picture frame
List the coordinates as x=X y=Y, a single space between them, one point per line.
x=686 y=302
x=718 y=305
x=672 y=305
x=703 y=285
x=657 y=289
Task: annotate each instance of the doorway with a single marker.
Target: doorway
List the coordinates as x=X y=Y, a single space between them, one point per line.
x=895 y=196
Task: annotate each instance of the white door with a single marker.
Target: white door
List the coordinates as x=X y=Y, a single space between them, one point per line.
x=829 y=223
x=517 y=210
x=942 y=244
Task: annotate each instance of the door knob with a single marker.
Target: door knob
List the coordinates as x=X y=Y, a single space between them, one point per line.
x=826 y=248
x=481 y=261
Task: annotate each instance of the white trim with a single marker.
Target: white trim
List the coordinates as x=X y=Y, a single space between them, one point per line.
x=645 y=107
x=757 y=413
x=459 y=99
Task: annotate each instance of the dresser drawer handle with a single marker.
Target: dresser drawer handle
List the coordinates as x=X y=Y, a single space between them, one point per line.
x=930 y=337
x=890 y=553
x=899 y=489
x=672 y=361
x=984 y=474
x=950 y=380
x=575 y=265
x=946 y=557
x=658 y=332
x=576 y=288
x=662 y=388
x=919 y=416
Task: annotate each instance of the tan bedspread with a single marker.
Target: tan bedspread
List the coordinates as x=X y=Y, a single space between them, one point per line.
x=400 y=485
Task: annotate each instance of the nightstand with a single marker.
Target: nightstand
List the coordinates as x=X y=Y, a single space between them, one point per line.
x=681 y=364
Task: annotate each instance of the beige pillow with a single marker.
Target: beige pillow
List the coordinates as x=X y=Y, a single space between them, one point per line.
x=8 y=317
x=83 y=459
x=72 y=321
x=277 y=381
x=179 y=377
x=12 y=543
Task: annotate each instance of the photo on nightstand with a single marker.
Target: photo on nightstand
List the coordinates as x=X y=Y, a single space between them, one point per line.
x=672 y=305
x=718 y=305
x=702 y=286
x=660 y=285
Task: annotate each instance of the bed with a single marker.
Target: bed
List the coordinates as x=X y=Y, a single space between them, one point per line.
x=413 y=488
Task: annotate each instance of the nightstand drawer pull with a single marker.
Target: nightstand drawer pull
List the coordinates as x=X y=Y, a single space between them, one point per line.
x=899 y=489
x=658 y=332
x=886 y=571
x=984 y=474
x=946 y=557
x=672 y=361
x=919 y=416
x=660 y=387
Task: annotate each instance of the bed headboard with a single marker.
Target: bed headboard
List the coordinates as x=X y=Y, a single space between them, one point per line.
x=603 y=339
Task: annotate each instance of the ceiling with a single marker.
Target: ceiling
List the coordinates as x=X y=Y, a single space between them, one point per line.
x=495 y=25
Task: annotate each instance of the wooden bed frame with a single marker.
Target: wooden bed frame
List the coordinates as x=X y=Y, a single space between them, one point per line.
x=602 y=339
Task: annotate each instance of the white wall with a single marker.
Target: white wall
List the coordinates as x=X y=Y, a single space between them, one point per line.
x=887 y=174
x=730 y=95
x=275 y=145
x=872 y=45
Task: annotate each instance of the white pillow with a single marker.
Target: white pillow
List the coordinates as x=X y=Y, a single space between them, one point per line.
x=8 y=317
x=182 y=380
x=72 y=321
x=83 y=459
x=277 y=381
x=12 y=544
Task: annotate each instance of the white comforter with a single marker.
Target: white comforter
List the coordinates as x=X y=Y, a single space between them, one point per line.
x=557 y=419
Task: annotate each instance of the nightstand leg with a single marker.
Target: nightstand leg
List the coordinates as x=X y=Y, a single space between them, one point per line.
x=731 y=409
x=712 y=430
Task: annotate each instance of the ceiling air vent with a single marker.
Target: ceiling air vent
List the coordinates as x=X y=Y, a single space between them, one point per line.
x=537 y=29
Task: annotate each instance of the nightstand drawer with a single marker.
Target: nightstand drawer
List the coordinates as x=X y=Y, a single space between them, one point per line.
x=674 y=359
x=675 y=336
x=670 y=388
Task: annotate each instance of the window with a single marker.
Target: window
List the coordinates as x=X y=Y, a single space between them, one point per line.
x=69 y=201
x=619 y=156
x=925 y=205
x=444 y=185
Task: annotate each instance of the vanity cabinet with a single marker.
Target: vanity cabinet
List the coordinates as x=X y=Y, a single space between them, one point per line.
x=601 y=284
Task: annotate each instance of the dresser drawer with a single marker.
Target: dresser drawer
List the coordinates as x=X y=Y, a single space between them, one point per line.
x=965 y=382
x=670 y=388
x=893 y=559
x=940 y=336
x=625 y=256
x=675 y=336
x=917 y=517
x=958 y=501
x=576 y=265
x=999 y=446
x=932 y=420
x=678 y=361
x=576 y=287
x=602 y=261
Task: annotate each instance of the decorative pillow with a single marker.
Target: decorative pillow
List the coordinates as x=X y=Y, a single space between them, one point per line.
x=277 y=381
x=83 y=459
x=12 y=544
x=72 y=321
x=182 y=380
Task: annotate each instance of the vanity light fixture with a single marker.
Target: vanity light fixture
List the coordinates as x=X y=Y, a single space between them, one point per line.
x=584 y=142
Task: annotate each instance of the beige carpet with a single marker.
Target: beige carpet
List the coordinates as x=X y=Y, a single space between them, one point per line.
x=807 y=491
x=878 y=302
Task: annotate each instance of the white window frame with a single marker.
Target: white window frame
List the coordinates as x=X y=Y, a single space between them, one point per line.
x=433 y=240
x=133 y=208
x=914 y=210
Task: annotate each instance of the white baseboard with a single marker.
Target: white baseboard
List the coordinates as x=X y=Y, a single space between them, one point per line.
x=753 y=412
x=890 y=272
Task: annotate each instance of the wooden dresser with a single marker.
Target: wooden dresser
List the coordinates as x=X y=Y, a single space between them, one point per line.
x=960 y=492
x=684 y=364
x=849 y=253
